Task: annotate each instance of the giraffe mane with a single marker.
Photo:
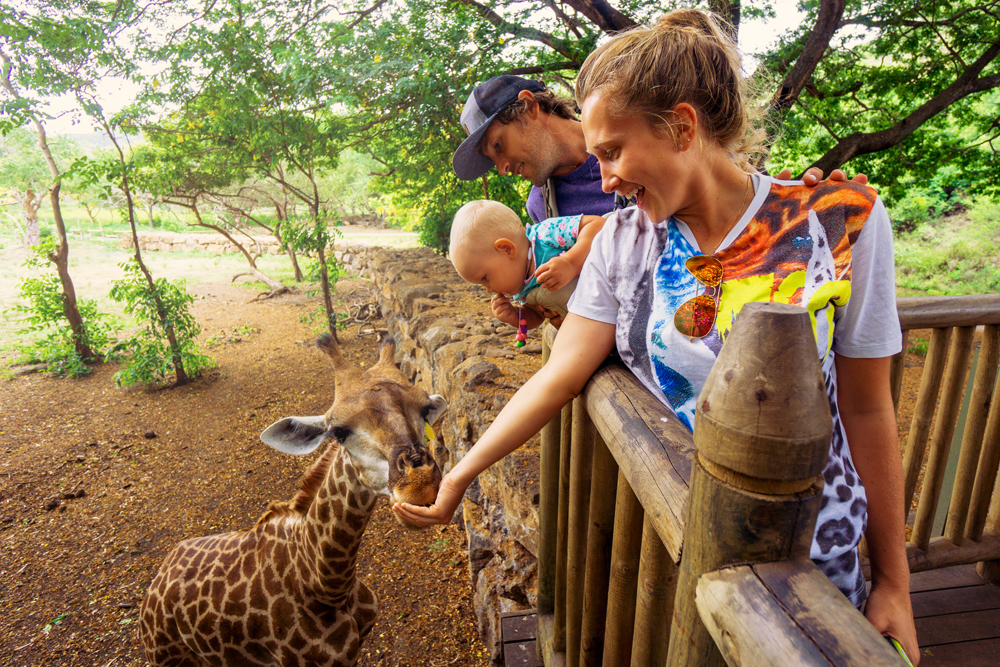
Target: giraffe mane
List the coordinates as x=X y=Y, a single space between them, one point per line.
x=309 y=486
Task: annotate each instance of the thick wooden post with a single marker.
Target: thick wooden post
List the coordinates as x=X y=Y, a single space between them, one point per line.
x=548 y=507
x=762 y=429
x=654 y=603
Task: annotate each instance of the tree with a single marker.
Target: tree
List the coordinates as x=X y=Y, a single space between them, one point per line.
x=32 y=47
x=250 y=85
x=905 y=82
x=25 y=175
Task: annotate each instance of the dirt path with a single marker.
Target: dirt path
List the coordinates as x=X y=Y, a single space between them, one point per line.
x=73 y=570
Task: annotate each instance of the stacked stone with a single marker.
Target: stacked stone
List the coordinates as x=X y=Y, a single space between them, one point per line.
x=156 y=241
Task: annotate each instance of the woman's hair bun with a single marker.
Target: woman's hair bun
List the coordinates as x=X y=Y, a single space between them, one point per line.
x=688 y=18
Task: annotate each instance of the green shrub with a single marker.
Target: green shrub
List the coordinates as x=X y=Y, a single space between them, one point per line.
x=148 y=355
x=45 y=317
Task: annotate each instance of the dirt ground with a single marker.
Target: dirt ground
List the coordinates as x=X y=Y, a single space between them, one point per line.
x=97 y=484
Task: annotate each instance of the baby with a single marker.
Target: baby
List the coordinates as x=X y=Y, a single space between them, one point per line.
x=490 y=247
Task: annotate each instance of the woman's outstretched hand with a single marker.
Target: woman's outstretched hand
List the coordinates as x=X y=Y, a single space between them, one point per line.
x=891 y=613
x=449 y=496
x=814 y=175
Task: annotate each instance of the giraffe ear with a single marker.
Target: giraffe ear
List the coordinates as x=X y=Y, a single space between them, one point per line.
x=296 y=435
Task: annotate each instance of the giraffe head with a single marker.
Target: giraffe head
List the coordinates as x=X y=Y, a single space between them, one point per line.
x=380 y=419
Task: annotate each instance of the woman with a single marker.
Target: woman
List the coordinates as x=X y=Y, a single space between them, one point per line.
x=664 y=111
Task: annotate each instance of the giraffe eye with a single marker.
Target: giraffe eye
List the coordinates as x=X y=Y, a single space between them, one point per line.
x=341 y=433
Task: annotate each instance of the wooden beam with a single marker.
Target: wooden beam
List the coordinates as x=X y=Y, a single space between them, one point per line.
x=654 y=605
x=944 y=429
x=548 y=507
x=649 y=443
x=942 y=552
x=565 y=453
x=786 y=613
x=581 y=460
x=625 y=551
x=923 y=412
x=926 y=312
x=603 y=490
x=989 y=461
x=972 y=437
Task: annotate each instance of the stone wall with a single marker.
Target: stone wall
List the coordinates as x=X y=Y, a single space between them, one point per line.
x=213 y=243
x=449 y=344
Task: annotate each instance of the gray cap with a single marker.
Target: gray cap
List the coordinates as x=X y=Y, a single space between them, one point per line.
x=485 y=102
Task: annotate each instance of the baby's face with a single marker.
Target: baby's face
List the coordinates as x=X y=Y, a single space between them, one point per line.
x=494 y=270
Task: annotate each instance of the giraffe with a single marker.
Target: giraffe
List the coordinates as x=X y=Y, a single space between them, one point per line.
x=285 y=592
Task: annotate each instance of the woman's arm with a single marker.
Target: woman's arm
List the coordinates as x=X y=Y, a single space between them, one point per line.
x=580 y=347
x=865 y=405
x=559 y=271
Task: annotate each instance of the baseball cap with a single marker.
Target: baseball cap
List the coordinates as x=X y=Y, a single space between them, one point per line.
x=485 y=102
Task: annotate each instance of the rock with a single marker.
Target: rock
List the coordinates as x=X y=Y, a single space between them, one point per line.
x=80 y=493
x=51 y=505
x=149 y=434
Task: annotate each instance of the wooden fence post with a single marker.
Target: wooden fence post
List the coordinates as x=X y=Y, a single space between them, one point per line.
x=548 y=507
x=762 y=430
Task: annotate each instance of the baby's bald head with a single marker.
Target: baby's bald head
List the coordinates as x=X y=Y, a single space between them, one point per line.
x=477 y=227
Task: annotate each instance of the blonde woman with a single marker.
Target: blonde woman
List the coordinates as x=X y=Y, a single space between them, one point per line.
x=665 y=113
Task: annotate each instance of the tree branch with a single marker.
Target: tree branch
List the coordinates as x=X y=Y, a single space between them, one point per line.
x=603 y=15
x=827 y=23
x=557 y=45
x=539 y=69
x=862 y=144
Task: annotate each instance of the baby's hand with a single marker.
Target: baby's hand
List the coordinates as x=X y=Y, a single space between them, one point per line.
x=556 y=273
x=503 y=311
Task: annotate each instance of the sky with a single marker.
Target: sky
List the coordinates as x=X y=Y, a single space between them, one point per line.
x=115 y=94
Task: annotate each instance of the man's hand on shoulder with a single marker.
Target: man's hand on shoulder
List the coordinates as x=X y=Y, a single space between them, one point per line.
x=814 y=175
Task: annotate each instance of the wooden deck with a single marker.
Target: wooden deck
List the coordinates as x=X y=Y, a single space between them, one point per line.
x=957 y=616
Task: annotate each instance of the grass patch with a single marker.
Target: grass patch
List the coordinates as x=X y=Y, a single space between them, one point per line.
x=956 y=254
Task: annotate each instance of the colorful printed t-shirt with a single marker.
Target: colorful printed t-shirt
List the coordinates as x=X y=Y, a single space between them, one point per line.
x=549 y=238
x=827 y=248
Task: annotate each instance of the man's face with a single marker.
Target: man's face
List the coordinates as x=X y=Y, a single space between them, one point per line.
x=523 y=148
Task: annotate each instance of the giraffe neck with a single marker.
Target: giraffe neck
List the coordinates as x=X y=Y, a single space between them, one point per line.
x=330 y=534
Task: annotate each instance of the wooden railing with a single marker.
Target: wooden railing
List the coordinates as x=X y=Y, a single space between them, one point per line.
x=625 y=490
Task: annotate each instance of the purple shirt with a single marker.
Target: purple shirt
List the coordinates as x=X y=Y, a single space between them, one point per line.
x=578 y=192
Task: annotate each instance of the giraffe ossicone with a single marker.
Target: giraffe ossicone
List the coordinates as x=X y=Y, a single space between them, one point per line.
x=285 y=593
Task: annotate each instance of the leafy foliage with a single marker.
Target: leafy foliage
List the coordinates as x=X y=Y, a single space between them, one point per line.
x=45 y=318
x=149 y=360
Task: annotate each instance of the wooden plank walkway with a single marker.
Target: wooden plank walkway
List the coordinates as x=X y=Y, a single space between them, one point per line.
x=957 y=616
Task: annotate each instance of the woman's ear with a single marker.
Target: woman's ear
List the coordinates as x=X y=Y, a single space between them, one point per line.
x=684 y=126
x=506 y=247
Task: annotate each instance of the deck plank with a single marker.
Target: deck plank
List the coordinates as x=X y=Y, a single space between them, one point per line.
x=967 y=654
x=949 y=577
x=954 y=628
x=955 y=600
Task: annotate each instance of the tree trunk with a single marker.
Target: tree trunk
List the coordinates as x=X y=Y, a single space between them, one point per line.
x=31 y=204
x=61 y=260
x=161 y=311
x=324 y=278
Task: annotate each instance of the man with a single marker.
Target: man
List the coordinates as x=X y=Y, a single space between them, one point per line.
x=524 y=129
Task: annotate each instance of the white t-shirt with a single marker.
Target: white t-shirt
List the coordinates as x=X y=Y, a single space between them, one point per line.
x=827 y=248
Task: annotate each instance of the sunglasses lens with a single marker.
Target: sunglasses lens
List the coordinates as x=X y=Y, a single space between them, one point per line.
x=706 y=269
x=696 y=317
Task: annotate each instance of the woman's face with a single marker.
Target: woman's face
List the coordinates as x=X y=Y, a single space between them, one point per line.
x=635 y=160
